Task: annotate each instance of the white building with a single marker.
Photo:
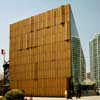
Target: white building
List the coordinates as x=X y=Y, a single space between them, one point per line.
x=94 y=46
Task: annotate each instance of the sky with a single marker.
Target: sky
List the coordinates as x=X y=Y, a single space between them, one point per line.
x=86 y=13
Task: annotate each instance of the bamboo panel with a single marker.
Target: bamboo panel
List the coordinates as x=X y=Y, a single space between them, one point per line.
x=41 y=21
x=11 y=63
x=40 y=92
x=11 y=45
x=48 y=52
x=15 y=84
x=60 y=33
x=24 y=44
x=54 y=17
x=68 y=31
x=32 y=23
x=13 y=48
x=48 y=18
x=18 y=43
x=33 y=39
x=12 y=84
x=21 y=42
x=28 y=56
x=27 y=91
x=60 y=15
x=67 y=13
x=25 y=26
x=36 y=39
x=28 y=40
x=12 y=31
x=36 y=22
x=22 y=57
x=40 y=37
x=54 y=32
x=48 y=36
x=44 y=20
x=46 y=90
x=30 y=72
x=56 y=69
x=11 y=76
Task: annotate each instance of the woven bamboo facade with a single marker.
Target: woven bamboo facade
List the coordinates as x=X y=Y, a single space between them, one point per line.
x=40 y=53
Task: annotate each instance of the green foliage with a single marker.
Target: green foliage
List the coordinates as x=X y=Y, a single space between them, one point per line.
x=14 y=94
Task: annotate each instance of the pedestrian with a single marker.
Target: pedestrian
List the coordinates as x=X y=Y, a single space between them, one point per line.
x=31 y=97
x=78 y=93
x=65 y=93
x=69 y=95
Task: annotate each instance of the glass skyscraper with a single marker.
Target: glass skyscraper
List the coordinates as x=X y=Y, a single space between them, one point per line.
x=78 y=60
x=94 y=46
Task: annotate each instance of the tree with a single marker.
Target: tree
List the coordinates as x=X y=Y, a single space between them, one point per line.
x=14 y=94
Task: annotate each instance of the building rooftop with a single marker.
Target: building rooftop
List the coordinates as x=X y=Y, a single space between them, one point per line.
x=95 y=35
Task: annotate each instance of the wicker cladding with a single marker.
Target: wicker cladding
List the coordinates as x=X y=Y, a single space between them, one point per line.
x=40 y=53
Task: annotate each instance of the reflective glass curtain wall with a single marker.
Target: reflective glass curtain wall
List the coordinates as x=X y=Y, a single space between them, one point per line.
x=78 y=60
x=95 y=59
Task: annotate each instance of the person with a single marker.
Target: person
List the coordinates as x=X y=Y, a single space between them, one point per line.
x=78 y=93
x=65 y=93
x=31 y=97
x=69 y=95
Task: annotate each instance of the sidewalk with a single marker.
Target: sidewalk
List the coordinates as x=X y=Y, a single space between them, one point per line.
x=74 y=98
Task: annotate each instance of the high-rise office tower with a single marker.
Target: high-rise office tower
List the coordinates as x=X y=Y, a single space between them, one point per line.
x=95 y=59
x=78 y=60
x=82 y=66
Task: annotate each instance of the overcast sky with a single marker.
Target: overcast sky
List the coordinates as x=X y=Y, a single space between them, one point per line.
x=86 y=13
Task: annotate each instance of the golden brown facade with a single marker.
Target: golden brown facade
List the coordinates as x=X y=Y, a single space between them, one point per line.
x=40 y=53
